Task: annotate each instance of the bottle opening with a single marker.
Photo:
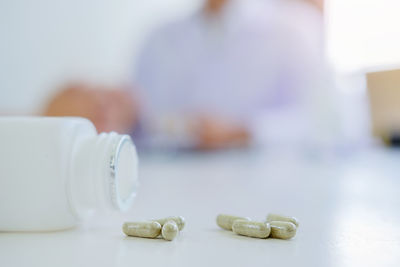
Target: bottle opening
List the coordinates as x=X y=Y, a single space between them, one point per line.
x=125 y=173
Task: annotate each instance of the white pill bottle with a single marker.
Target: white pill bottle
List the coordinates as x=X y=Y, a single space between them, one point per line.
x=54 y=172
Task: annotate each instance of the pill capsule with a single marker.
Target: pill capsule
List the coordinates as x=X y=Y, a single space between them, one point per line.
x=142 y=229
x=251 y=228
x=276 y=217
x=282 y=230
x=169 y=230
x=226 y=221
x=179 y=220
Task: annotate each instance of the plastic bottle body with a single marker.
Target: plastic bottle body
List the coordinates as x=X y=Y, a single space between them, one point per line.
x=55 y=171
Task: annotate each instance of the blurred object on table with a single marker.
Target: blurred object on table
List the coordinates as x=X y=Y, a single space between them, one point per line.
x=110 y=109
x=384 y=94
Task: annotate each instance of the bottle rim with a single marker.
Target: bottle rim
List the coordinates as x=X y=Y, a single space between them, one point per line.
x=119 y=202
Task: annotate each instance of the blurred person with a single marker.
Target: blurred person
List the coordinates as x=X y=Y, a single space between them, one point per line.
x=235 y=72
x=110 y=109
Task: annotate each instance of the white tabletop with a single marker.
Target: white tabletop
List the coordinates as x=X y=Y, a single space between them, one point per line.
x=348 y=205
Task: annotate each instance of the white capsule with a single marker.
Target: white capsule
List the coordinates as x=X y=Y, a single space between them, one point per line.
x=276 y=217
x=282 y=230
x=169 y=230
x=251 y=228
x=179 y=220
x=226 y=221
x=142 y=229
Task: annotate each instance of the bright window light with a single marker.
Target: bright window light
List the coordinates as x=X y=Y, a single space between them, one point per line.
x=363 y=34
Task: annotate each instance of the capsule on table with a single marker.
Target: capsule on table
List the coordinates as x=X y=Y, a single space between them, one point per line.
x=179 y=220
x=282 y=230
x=142 y=229
x=276 y=217
x=226 y=221
x=169 y=230
x=251 y=228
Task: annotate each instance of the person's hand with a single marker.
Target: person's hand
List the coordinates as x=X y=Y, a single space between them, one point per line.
x=216 y=133
x=215 y=6
x=121 y=111
x=108 y=109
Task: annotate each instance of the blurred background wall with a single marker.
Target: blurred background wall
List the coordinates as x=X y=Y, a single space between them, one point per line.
x=46 y=42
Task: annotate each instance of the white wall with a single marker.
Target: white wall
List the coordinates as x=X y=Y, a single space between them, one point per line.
x=44 y=43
